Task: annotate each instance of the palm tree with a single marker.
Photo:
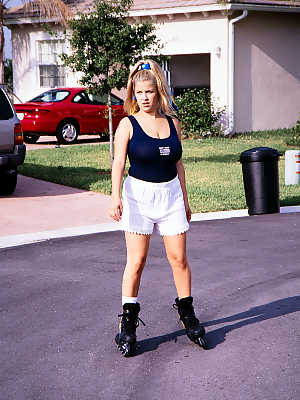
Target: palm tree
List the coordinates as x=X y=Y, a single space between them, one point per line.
x=54 y=9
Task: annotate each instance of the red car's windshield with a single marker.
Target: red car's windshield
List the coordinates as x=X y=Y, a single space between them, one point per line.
x=51 y=96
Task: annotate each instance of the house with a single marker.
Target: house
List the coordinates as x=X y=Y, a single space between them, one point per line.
x=246 y=52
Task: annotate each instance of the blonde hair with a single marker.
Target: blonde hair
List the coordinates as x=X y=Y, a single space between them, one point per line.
x=156 y=76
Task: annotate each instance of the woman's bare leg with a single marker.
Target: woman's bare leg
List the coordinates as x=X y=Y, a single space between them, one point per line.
x=176 y=253
x=137 y=250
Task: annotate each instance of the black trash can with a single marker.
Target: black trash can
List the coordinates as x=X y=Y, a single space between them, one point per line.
x=261 y=182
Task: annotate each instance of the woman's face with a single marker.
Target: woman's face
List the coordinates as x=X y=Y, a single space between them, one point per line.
x=146 y=96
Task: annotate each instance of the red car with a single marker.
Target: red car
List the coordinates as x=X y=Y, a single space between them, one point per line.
x=67 y=113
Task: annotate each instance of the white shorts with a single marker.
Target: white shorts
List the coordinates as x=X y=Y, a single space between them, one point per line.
x=149 y=205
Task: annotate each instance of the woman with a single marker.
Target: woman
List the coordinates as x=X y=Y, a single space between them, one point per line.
x=154 y=196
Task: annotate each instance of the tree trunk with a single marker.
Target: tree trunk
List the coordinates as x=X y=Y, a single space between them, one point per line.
x=1 y=45
x=110 y=127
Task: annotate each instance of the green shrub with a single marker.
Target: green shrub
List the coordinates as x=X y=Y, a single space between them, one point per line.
x=199 y=116
x=295 y=140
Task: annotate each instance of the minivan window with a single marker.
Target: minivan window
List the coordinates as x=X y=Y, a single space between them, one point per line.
x=6 y=111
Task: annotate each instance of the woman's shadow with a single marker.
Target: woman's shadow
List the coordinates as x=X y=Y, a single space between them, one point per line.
x=215 y=337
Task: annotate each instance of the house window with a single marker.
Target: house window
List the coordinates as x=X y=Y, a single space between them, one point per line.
x=51 y=73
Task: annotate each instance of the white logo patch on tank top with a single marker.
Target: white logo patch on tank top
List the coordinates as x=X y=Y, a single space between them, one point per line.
x=164 y=151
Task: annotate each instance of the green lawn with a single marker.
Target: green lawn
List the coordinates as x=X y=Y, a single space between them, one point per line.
x=213 y=170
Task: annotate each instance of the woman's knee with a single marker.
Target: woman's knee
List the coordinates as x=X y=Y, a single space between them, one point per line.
x=136 y=264
x=178 y=261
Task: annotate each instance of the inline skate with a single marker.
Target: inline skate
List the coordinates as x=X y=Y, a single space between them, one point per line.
x=194 y=330
x=126 y=338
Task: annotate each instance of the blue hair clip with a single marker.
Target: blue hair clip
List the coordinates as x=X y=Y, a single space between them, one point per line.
x=144 y=66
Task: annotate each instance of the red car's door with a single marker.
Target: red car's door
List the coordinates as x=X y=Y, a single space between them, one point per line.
x=91 y=113
x=118 y=111
x=101 y=119
x=94 y=111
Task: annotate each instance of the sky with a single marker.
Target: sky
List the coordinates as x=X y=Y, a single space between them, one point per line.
x=7 y=50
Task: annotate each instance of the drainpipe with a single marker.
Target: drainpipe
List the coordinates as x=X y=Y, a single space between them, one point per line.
x=230 y=128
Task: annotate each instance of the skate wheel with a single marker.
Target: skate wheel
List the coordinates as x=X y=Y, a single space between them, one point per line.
x=126 y=349
x=201 y=342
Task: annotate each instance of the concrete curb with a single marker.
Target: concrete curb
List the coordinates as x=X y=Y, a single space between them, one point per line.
x=22 y=239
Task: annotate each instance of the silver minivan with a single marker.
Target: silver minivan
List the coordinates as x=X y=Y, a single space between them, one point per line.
x=12 y=148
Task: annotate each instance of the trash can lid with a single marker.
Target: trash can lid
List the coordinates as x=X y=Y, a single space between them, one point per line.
x=259 y=154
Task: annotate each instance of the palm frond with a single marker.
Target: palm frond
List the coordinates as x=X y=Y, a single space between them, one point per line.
x=55 y=9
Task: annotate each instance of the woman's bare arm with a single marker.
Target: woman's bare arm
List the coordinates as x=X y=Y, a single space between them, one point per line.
x=181 y=175
x=122 y=137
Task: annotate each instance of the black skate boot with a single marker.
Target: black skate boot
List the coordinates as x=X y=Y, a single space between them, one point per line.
x=126 y=338
x=194 y=330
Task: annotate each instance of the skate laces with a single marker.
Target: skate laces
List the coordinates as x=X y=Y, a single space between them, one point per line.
x=186 y=311
x=136 y=320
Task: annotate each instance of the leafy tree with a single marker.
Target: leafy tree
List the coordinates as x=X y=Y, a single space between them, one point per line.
x=104 y=46
x=53 y=9
x=8 y=73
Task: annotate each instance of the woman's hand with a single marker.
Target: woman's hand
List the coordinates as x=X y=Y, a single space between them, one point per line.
x=116 y=210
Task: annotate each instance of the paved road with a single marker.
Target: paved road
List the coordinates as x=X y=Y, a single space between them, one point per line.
x=59 y=302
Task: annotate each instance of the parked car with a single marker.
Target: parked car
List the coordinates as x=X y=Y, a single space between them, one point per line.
x=67 y=113
x=12 y=149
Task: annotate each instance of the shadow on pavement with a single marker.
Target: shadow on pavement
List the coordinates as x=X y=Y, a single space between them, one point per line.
x=151 y=344
x=254 y=315
x=214 y=338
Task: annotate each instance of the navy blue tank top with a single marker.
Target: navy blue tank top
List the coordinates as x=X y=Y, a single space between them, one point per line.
x=152 y=159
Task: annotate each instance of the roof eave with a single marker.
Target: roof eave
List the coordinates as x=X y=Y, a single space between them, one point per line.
x=178 y=10
x=29 y=20
x=263 y=7
x=18 y=20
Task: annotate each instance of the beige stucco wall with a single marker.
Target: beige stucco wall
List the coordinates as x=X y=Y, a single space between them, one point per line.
x=200 y=35
x=267 y=72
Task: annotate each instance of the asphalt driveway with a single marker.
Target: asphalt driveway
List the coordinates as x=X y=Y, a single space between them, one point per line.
x=59 y=301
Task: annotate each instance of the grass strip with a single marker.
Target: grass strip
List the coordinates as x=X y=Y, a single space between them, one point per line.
x=213 y=171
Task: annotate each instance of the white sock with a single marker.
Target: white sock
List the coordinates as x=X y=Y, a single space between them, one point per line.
x=131 y=300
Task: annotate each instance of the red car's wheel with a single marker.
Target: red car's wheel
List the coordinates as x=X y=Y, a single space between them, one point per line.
x=67 y=132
